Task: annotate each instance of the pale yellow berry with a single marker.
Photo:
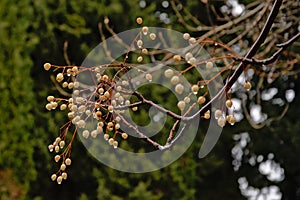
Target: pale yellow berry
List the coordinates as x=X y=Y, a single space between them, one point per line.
x=139 y=43
x=53 y=177
x=179 y=88
x=85 y=134
x=62 y=144
x=59 y=77
x=247 y=85
x=231 y=119
x=50 y=98
x=65 y=84
x=59 y=180
x=221 y=121
x=76 y=92
x=117 y=126
x=115 y=144
x=68 y=161
x=169 y=73
x=56 y=158
x=48 y=106
x=181 y=105
x=188 y=56
x=152 y=36
x=135 y=108
x=218 y=114
x=50 y=147
x=148 y=77
x=63 y=106
x=110 y=108
x=76 y=84
x=139 y=59
x=144 y=51
x=71 y=85
x=174 y=80
x=64 y=175
x=101 y=124
x=186 y=36
x=145 y=30
x=106 y=136
x=209 y=65
x=201 y=100
x=124 y=136
x=187 y=99
x=139 y=20
x=81 y=123
x=228 y=103
x=94 y=133
x=207 y=115
x=105 y=78
x=192 y=61
x=110 y=124
x=195 y=89
x=127 y=102
x=47 y=66
x=100 y=90
x=56 y=149
x=192 y=40
x=71 y=115
x=111 y=141
x=63 y=167
x=75 y=70
x=106 y=94
x=177 y=58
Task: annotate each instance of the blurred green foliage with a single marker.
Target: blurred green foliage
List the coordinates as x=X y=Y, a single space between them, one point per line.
x=32 y=33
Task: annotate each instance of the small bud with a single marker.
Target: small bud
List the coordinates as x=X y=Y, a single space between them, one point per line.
x=59 y=180
x=201 y=100
x=64 y=175
x=188 y=56
x=135 y=108
x=94 y=133
x=195 y=89
x=152 y=36
x=139 y=43
x=53 y=177
x=63 y=106
x=59 y=77
x=62 y=144
x=209 y=65
x=149 y=77
x=177 y=58
x=247 y=85
x=181 y=105
x=218 y=114
x=106 y=136
x=50 y=98
x=221 y=121
x=139 y=20
x=65 y=84
x=174 y=80
x=115 y=144
x=85 y=134
x=68 y=161
x=63 y=167
x=179 y=88
x=145 y=30
x=169 y=73
x=48 y=106
x=139 y=59
x=57 y=158
x=110 y=108
x=47 y=66
x=124 y=136
x=145 y=51
x=111 y=141
x=192 y=40
x=228 y=103
x=186 y=36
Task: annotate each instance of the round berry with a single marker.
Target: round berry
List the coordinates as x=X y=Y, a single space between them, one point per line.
x=195 y=89
x=221 y=121
x=181 y=105
x=139 y=20
x=201 y=100
x=169 y=73
x=209 y=65
x=228 y=103
x=174 y=80
x=59 y=77
x=139 y=59
x=177 y=58
x=149 y=77
x=218 y=114
x=247 y=85
x=186 y=36
x=152 y=36
x=47 y=66
x=179 y=88
x=68 y=161
x=192 y=40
